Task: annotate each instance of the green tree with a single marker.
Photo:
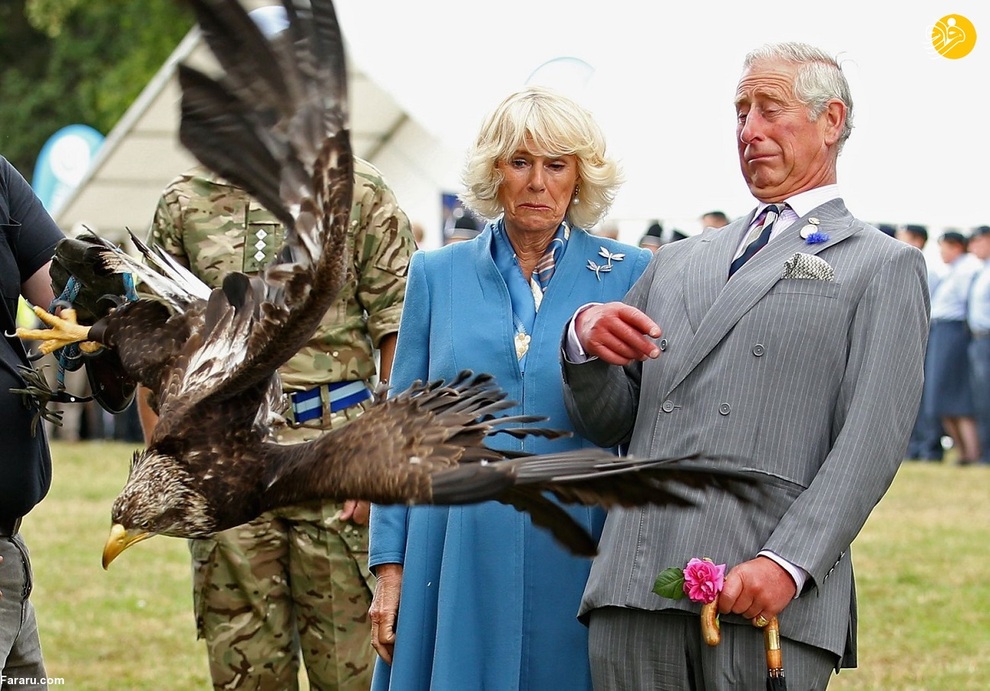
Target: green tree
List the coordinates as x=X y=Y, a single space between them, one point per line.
x=69 y=61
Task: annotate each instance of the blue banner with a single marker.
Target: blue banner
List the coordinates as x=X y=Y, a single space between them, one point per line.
x=63 y=162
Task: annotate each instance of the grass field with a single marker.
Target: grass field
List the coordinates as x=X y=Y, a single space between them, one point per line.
x=920 y=562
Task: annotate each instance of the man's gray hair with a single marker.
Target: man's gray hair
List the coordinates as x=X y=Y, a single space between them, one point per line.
x=819 y=78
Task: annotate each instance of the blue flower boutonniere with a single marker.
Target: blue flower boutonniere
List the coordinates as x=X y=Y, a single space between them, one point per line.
x=599 y=269
x=811 y=234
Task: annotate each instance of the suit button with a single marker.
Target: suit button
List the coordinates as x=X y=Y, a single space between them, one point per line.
x=724 y=409
x=667 y=406
x=758 y=350
x=663 y=344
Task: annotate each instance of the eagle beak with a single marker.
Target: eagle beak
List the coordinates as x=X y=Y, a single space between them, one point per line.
x=120 y=539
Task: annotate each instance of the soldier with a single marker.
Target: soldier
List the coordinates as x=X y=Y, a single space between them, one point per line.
x=294 y=580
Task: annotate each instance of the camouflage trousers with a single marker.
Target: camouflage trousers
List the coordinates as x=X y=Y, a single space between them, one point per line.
x=292 y=583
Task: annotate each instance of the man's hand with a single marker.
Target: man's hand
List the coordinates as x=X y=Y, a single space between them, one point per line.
x=356 y=511
x=384 y=609
x=759 y=587
x=617 y=333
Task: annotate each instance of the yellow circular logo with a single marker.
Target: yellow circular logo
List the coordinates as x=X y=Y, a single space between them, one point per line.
x=953 y=36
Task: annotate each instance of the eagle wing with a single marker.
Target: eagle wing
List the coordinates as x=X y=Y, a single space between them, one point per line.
x=427 y=445
x=588 y=477
x=274 y=121
x=389 y=453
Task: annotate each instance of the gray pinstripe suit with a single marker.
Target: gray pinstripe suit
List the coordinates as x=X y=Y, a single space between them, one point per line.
x=812 y=384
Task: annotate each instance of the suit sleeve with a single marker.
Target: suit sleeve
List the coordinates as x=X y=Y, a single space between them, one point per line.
x=876 y=408
x=388 y=524
x=602 y=399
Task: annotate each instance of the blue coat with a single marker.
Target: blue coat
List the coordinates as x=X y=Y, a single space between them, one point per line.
x=488 y=600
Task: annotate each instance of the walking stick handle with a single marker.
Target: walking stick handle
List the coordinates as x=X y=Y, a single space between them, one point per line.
x=710 y=631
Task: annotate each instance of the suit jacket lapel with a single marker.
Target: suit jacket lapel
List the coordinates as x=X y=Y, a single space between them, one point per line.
x=715 y=303
x=708 y=267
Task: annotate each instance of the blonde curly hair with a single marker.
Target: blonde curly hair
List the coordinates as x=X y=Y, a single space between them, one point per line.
x=545 y=123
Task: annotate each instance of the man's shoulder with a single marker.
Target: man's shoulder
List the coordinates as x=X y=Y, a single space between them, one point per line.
x=202 y=185
x=204 y=200
x=367 y=174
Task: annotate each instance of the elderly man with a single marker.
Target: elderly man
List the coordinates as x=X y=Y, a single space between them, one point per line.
x=788 y=344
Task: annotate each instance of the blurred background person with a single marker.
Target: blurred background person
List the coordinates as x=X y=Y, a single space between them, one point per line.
x=978 y=317
x=947 y=384
x=656 y=236
x=926 y=437
x=714 y=219
x=652 y=239
x=914 y=235
x=419 y=233
x=465 y=228
x=481 y=598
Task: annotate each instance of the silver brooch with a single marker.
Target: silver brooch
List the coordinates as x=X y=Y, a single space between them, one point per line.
x=599 y=269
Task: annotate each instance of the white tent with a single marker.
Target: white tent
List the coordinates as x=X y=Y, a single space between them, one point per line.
x=142 y=154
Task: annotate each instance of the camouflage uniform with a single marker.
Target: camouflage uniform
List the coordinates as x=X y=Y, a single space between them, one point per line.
x=293 y=579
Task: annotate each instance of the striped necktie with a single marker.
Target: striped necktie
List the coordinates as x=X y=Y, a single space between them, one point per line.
x=762 y=236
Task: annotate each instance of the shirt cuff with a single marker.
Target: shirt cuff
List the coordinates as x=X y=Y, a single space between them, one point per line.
x=573 y=351
x=799 y=575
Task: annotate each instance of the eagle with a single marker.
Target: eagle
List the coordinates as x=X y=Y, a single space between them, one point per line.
x=274 y=121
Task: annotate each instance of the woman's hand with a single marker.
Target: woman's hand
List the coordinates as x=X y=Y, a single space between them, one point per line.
x=384 y=609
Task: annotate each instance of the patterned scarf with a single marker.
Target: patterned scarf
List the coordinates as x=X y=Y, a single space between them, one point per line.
x=526 y=296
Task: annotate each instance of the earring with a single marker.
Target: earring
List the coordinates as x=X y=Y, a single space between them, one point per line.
x=577 y=189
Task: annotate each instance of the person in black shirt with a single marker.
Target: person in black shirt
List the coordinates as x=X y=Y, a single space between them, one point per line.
x=27 y=241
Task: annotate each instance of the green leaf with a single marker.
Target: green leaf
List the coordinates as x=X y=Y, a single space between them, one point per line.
x=670 y=583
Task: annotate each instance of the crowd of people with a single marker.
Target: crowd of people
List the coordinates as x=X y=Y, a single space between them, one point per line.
x=765 y=343
x=955 y=406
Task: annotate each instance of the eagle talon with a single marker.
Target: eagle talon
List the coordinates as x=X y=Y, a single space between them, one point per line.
x=63 y=330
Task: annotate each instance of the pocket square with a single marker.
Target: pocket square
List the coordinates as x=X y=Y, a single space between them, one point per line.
x=808 y=267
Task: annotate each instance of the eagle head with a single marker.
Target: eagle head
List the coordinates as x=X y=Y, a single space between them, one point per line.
x=158 y=499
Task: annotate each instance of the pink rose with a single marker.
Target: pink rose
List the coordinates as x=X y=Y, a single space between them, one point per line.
x=703 y=580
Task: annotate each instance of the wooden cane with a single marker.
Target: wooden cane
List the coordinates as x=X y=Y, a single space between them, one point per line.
x=771 y=641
